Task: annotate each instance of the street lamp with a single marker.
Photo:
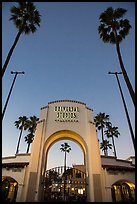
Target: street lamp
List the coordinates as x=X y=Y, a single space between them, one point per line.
x=124 y=103
x=16 y=73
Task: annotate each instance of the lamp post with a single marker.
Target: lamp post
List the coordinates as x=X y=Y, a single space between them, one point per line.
x=16 y=73
x=124 y=103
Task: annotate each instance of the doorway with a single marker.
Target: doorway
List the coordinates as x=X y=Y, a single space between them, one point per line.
x=9 y=189
x=65 y=182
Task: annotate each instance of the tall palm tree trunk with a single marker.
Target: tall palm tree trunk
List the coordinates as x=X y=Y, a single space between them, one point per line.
x=131 y=91
x=102 y=135
x=28 y=148
x=103 y=141
x=65 y=176
x=10 y=53
x=106 y=152
x=19 y=141
x=114 y=147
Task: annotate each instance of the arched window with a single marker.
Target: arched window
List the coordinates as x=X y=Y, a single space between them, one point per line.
x=123 y=191
x=9 y=189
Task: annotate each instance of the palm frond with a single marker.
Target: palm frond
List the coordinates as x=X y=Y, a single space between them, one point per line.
x=110 y=22
x=119 y=12
x=25 y=17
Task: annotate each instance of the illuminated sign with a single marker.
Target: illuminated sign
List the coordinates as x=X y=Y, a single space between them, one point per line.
x=66 y=113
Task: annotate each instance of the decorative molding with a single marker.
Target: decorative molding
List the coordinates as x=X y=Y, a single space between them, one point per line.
x=72 y=101
x=15 y=164
x=44 y=107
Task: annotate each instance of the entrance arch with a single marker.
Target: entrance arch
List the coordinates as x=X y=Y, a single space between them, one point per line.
x=62 y=135
x=71 y=120
x=73 y=156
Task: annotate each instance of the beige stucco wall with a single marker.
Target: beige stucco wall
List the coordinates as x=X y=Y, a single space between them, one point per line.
x=83 y=132
x=109 y=178
x=19 y=174
x=17 y=158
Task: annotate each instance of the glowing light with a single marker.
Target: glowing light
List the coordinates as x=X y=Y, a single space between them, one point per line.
x=80 y=191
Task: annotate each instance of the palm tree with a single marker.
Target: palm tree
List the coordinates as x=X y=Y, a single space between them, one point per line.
x=113 y=29
x=112 y=132
x=29 y=139
x=20 y=124
x=66 y=149
x=31 y=126
x=100 y=121
x=26 y=19
x=51 y=177
x=104 y=146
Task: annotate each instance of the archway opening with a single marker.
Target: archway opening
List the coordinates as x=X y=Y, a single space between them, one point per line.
x=9 y=189
x=65 y=181
x=56 y=156
x=123 y=191
x=64 y=135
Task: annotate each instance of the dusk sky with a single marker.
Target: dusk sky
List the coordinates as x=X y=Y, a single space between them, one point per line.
x=66 y=60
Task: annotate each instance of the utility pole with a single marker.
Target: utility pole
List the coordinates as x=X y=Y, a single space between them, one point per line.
x=16 y=73
x=125 y=107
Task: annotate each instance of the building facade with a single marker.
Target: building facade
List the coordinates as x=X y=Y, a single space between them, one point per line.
x=105 y=178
